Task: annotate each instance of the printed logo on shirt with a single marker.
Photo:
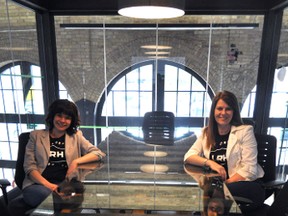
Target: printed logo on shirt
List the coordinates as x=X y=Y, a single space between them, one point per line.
x=57 y=152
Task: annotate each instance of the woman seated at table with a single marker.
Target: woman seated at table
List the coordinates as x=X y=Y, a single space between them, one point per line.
x=229 y=147
x=53 y=154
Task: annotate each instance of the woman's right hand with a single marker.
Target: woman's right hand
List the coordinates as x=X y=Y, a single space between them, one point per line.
x=51 y=186
x=35 y=176
x=217 y=168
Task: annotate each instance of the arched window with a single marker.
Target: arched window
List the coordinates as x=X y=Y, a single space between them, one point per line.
x=22 y=107
x=139 y=89
x=21 y=89
x=21 y=101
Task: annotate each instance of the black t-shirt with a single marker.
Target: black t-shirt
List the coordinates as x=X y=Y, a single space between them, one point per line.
x=218 y=151
x=56 y=169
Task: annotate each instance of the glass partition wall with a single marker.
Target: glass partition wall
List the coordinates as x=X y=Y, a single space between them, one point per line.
x=21 y=95
x=126 y=67
x=116 y=69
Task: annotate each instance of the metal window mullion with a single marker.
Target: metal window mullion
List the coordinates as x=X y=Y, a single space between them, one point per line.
x=126 y=97
x=190 y=95
x=139 y=85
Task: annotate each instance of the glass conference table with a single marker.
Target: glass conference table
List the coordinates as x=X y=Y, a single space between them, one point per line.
x=139 y=178
x=93 y=190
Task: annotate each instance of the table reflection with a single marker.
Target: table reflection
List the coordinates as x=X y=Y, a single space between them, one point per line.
x=98 y=188
x=69 y=196
x=216 y=198
x=132 y=177
x=215 y=202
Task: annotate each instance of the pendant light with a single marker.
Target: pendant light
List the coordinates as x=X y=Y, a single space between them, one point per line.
x=151 y=9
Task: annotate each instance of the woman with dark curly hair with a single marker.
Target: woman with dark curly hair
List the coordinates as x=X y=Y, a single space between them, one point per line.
x=53 y=154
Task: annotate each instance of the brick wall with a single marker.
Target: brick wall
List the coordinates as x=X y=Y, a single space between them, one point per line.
x=81 y=54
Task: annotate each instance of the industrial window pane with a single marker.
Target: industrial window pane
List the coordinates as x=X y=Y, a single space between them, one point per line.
x=170 y=78
x=183 y=104
x=9 y=78
x=184 y=81
x=8 y=97
x=107 y=108
x=120 y=85
x=196 y=85
x=145 y=102
x=197 y=104
x=170 y=102
x=119 y=104
x=36 y=77
x=5 y=151
x=34 y=102
x=146 y=78
x=132 y=103
x=248 y=106
x=279 y=103
x=132 y=80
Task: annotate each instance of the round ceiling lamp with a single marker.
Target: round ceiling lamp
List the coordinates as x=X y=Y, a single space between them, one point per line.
x=151 y=9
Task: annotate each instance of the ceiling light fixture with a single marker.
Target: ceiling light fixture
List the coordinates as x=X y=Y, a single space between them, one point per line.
x=151 y=9
x=157 y=53
x=160 y=26
x=157 y=57
x=16 y=48
x=158 y=47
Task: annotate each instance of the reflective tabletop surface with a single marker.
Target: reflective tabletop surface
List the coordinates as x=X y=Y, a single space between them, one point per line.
x=92 y=189
x=139 y=177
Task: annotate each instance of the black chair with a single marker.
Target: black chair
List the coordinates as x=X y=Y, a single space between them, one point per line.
x=4 y=183
x=158 y=128
x=267 y=145
x=15 y=194
x=279 y=207
x=248 y=121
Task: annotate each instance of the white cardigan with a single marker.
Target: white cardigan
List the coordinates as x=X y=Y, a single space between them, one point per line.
x=241 y=152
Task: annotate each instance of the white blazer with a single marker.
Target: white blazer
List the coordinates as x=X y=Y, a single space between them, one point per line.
x=241 y=152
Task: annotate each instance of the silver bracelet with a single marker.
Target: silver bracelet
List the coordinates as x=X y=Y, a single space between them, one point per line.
x=100 y=156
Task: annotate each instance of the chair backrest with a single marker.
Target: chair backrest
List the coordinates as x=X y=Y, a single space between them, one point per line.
x=19 y=173
x=267 y=155
x=158 y=128
x=249 y=122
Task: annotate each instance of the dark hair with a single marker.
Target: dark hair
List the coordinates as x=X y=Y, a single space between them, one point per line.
x=65 y=107
x=231 y=100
